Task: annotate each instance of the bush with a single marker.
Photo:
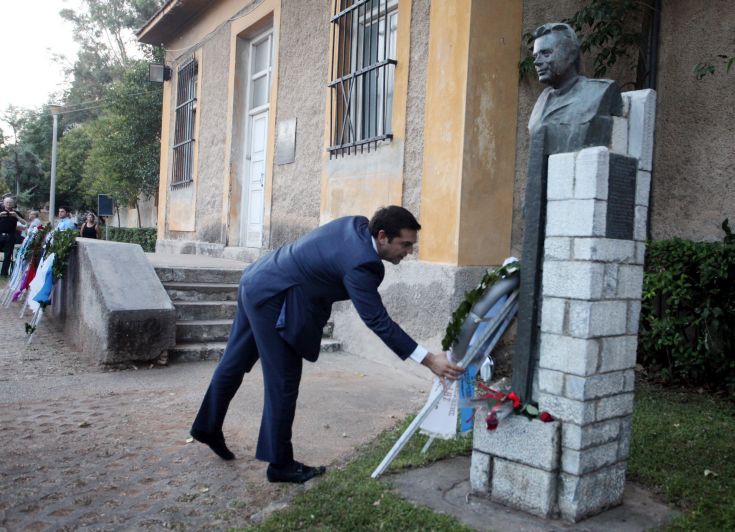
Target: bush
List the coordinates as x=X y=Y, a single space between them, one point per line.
x=145 y=236
x=687 y=331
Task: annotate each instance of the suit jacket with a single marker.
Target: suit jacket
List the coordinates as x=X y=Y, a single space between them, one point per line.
x=335 y=262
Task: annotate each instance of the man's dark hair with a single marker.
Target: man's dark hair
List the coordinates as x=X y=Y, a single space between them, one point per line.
x=392 y=219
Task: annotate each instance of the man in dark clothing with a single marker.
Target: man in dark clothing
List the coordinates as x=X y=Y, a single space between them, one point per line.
x=9 y=219
x=284 y=301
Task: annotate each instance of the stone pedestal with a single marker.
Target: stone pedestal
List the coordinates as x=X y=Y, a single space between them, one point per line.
x=592 y=278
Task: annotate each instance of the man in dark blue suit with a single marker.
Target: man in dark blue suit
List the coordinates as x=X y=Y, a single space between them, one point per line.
x=284 y=301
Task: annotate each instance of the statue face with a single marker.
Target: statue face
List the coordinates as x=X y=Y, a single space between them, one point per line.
x=553 y=61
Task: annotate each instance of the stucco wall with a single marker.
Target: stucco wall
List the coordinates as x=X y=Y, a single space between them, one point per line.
x=414 y=146
x=694 y=183
x=213 y=75
x=303 y=69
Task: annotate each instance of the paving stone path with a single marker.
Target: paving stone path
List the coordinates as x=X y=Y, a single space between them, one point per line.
x=86 y=449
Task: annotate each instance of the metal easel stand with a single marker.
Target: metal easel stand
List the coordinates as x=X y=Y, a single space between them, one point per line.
x=499 y=325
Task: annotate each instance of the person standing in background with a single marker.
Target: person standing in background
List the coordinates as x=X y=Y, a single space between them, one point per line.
x=9 y=219
x=90 y=228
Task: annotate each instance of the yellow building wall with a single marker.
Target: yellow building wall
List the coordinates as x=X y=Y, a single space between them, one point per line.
x=469 y=134
x=360 y=183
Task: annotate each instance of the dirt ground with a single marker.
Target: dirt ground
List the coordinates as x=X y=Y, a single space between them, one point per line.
x=93 y=449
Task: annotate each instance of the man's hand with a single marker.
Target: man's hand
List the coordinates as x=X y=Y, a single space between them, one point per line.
x=440 y=366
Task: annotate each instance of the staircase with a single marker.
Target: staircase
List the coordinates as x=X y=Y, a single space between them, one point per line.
x=206 y=301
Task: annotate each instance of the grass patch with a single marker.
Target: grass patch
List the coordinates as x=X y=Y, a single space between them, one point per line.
x=677 y=437
x=348 y=499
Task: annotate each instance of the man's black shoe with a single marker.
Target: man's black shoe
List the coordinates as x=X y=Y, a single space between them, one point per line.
x=216 y=442
x=296 y=472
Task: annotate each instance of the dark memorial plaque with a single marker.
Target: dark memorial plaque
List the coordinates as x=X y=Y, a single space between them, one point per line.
x=621 y=187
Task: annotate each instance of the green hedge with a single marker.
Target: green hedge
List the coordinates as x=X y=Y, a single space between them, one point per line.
x=145 y=236
x=688 y=315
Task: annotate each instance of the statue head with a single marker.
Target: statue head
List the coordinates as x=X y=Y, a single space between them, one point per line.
x=556 y=54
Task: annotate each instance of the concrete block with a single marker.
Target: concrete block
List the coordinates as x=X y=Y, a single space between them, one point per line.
x=591 y=173
x=569 y=355
x=579 y=462
x=617 y=353
x=112 y=304
x=619 y=140
x=578 y=217
x=630 y=281
x=553 y=311
x=628 y=380
x=603 y=249
x=640 y=252
x=551 y=381
x=592 y=319
x=626 y=104
x=634 y=316
x=587 y=495
x=641 y=123
x=614 y=406
x=573 y=279
x=581 y=437
x=640 y=224
x=519 y=439
x=560 y=179
x=624 y=441
x=642 y=188
x=594 y=386
x=568 y=410
x=558 y=248
x=480 y=471
x=610 y=281
x=539 y=487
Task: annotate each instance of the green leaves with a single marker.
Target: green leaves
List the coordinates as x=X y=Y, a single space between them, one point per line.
x=687 y=328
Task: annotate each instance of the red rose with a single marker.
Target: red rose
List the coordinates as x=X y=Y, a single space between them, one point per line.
x=492 y=421
x=545 y=417
x=516 y=400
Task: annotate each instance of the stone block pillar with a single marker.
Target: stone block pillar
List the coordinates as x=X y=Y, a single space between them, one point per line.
x=597 y=206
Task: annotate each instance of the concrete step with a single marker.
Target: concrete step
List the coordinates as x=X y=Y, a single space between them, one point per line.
x=205 y=310
x=169 y=274
x=203 y=331
x=196 y=351
x=180 y=291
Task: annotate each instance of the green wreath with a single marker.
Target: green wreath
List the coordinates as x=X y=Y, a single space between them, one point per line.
x=471 y=297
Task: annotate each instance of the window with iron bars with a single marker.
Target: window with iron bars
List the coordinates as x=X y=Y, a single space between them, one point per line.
x=362 y=74
x=186 y=108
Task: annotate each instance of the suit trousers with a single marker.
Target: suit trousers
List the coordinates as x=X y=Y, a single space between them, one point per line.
x=254 y=336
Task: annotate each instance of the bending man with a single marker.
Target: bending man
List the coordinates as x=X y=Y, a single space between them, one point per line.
x=284 y=301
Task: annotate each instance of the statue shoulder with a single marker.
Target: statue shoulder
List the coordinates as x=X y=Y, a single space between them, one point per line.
x=606 y=91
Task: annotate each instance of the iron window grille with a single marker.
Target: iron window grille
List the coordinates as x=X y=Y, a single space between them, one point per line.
x=186 y=108
x=362 y=73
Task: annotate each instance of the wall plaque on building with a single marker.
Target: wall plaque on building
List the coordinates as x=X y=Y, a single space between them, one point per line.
x=286 y=141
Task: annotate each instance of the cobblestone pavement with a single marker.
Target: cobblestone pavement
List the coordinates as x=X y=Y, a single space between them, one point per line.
x=88 y=449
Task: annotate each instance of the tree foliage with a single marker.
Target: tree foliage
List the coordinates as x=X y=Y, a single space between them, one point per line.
x=109 y=128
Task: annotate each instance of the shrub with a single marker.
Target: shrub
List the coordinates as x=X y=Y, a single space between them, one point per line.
x=145 y=236
x=687 y=331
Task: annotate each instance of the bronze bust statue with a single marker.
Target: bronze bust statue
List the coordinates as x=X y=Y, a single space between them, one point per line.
x=576 y=107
